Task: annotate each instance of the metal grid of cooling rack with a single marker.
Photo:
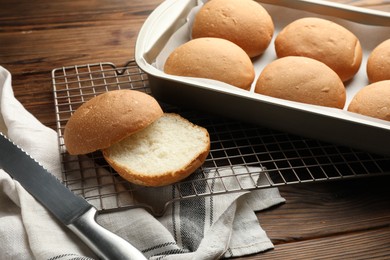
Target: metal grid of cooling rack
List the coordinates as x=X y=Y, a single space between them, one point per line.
x=242 y=157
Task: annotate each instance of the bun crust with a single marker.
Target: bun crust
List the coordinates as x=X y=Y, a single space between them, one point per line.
x=244 y=22
x=303 y=80
x=373 y=100
x=322 y=40
x=108 y=118
x=165 y=152
x=378 y=63
x=212 y=58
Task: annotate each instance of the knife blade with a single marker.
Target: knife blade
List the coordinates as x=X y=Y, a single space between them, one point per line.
x=72 y=210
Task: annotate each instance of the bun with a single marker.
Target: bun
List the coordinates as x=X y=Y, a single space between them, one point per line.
x=108 y=118
x=373 y=100
x=144 y=145
x=244 y=22
x=378 y=63
x=324 y=41
x=212 y=58
x=303 y=80
x=166 y=151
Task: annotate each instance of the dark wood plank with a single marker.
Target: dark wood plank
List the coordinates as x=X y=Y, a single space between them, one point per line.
x=323 y=209
x=331 y=220
x=367 y=244
x=53 y=34
x=70 y=32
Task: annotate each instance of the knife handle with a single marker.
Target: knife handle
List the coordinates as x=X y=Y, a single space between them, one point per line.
x=104 y=243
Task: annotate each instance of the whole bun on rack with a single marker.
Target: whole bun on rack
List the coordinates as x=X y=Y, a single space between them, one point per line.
x=244 y=22
x=322 y=40
x=373 y=100
x=212 y=58
x=144 y=145
x=378 y=63
x=303 y=80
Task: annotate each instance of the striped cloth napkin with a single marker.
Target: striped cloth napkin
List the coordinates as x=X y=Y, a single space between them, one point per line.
x=210 y=227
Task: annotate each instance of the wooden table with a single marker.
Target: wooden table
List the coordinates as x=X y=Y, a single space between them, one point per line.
x=333 y=220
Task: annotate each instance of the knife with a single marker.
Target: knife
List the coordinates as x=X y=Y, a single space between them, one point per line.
x=73 y=211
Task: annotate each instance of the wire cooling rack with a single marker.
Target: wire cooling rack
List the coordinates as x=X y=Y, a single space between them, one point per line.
x=242 y=157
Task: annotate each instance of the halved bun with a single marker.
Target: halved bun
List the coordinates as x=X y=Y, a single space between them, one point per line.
x=108 y=118
x=168 y=150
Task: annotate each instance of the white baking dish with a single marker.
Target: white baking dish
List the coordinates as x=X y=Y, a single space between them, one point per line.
x=169 y=20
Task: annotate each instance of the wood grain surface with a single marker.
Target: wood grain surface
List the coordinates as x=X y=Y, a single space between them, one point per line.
x=335 y=220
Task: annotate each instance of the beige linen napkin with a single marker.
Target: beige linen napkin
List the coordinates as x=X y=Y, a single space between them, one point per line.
x=202 y=228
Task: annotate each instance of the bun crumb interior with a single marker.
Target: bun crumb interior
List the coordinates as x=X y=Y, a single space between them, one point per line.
x=168 y=150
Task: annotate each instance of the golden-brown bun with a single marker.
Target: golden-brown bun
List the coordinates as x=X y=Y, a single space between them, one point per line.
x=373 y=100
x=212 y=58
x=108 y=118
x=378 y=63
x=322 y=40
x=244 y=22
x=168 y=150
x=302 y=79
